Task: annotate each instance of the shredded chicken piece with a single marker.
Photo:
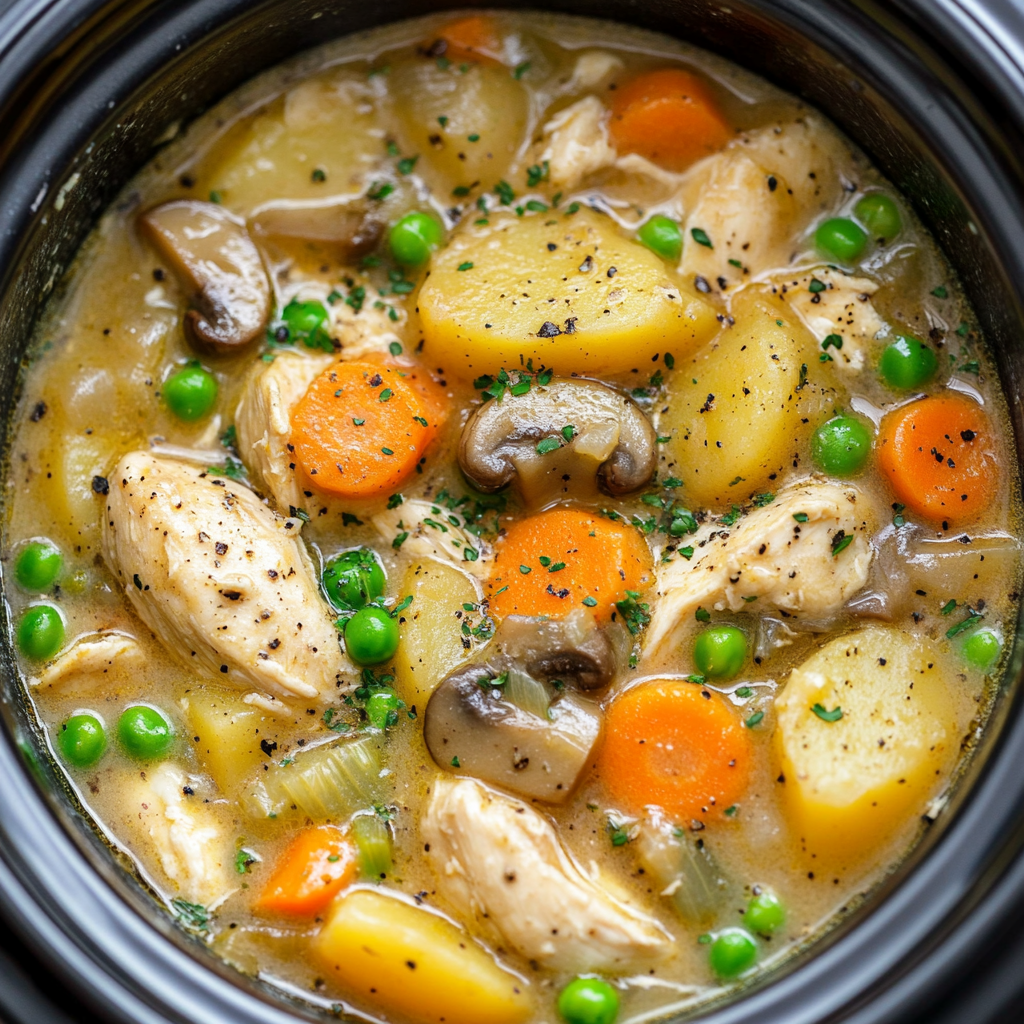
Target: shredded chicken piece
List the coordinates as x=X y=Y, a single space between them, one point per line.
x=577 y=142
x=435 y=532
x=92 y=655
x=498 y=858
x=263 y=421
x=755 y=198
x=189 y=846
x=773 y=554
x=842 y=307
x=221 y=580
x=592 y=68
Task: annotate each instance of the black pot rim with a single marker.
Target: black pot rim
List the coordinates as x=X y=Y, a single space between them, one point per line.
x=912 y=942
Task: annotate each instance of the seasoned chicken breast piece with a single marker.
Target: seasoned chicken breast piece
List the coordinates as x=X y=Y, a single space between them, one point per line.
x=221 y=580
x=499 y=859
x=263 y=421
x=792 y=555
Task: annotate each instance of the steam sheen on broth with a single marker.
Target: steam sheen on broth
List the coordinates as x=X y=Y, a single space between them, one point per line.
x=511 y=519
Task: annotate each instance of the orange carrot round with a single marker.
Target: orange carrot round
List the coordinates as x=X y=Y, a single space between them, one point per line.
x=941 y=456
x=552 y=563
x=317 y=865
x=668 y=116
x=676 y=746
x=360 y=429
x=474 y=38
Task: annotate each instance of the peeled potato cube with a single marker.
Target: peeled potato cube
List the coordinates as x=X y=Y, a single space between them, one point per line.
x=737 y=413
x=431 y=645
x=408 y=960
x=851 y=781
x=569 y=292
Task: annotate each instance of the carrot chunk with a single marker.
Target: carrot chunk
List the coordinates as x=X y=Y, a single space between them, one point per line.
x=563 y=559
x=360 y=429
x=941 y=457
x=474 y=39
x=317 y=865
x=677 y=746
x=668 y=116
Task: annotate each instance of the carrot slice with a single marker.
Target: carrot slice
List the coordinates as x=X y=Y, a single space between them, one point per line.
x=317 y=865
x=677 y=746
x=941 y=456
x=563 y=559
x=473 y=39
x=668 y=116
x=360 y=429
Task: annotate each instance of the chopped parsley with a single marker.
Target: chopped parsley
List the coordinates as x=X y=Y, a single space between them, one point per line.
x=828 y=716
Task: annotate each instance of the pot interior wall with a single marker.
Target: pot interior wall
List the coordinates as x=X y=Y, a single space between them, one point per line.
x=100 y=109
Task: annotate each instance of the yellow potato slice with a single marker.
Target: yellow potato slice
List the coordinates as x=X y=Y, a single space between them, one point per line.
x=431 y=646
x=736 y=411
x=613 y=303
x=851 y=782
x=408 y=960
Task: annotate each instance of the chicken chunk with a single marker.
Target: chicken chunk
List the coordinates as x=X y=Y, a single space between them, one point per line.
x=222 y=581
x=435 y=532
x=186 y=841
x=843 y=306
x=577 y=142
x=757 y=196
x=498 y=858
x=90 y=658
x=264 y=424
x=787 y=555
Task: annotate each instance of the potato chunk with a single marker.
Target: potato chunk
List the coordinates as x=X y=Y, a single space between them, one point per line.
x=570 y=293
x=432 y=642
x=851 y=781
x=736 y=411
x=411 y=961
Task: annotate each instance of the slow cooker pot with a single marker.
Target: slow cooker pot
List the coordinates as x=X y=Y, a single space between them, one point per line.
x=933 y=90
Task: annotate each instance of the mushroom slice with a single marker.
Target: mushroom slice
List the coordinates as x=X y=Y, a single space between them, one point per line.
x=598 y=432
x=344 y=226
x=216 y=261
x=573 y=649
x=494 y=722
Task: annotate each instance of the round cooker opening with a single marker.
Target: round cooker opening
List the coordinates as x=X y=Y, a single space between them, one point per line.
x=108 y=85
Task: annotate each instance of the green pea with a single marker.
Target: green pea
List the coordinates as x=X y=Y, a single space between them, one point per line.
x=840 y=239
x=191 y=392
x=588 y=1001
x=719 y=651
x=41 y=632
x=371 y=636
x=38 y=565
x=765 y=913
x=353 y=579
x=982 y=649
x=907 y=363
x=732 y=952
x=144 y=732
x=382 y=708
x=841 y=446
x=414 y=237
x=307 y=322
x=663 y=236
x=82 y=739
x=879 y=214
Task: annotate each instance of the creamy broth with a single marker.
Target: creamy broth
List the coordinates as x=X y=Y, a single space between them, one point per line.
x=508 y=127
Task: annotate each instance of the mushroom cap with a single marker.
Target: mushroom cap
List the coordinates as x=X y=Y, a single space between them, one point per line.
x=212 y=255
x=610 y=438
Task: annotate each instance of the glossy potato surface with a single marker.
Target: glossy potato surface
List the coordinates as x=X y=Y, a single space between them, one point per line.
x=736 y=411
x=567 y=291
x=851 y=780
